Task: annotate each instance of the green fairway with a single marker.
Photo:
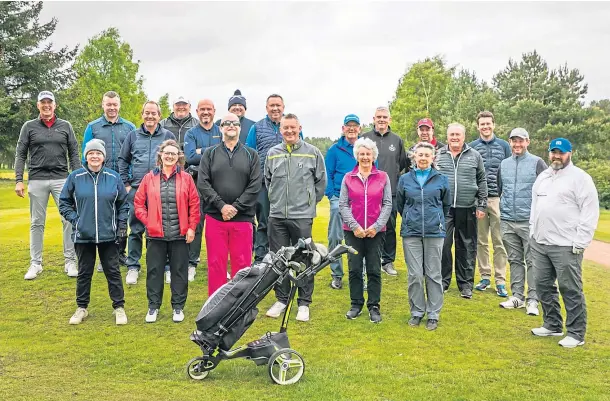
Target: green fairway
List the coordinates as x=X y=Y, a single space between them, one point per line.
x=479 y=352
x=603 y=228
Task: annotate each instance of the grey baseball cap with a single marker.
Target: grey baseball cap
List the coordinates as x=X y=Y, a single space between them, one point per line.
x=519 y=132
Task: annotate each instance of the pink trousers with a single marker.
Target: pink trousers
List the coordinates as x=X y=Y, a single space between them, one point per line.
x=224 y=239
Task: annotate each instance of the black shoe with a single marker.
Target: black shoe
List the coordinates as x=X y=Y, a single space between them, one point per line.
x=431 y=324
x=375 y=315
x=414 y=321
x=353 y=313
x=466 y=293
x=336 y=283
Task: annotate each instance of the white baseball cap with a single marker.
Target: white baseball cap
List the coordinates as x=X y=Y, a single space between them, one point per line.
x=46 y=95
x=181 y=99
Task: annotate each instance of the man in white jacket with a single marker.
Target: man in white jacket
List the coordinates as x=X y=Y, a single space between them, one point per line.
x=565 y=211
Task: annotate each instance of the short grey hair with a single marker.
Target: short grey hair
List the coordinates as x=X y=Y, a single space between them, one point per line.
x=456 y=125
x=366 y=143
x=424 y=145
x=382 y=108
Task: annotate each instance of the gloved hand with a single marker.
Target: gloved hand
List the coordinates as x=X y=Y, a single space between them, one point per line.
x=576 y=250
x=121 y=236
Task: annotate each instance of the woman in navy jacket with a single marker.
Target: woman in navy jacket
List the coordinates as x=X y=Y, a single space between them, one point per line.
x=423 y=199
x=93 y=200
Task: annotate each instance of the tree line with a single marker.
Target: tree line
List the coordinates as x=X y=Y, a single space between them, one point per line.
x=548 y=102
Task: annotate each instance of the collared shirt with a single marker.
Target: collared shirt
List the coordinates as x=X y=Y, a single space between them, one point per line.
x=565 y=208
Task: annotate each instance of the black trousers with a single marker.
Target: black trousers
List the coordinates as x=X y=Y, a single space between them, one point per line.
x=109 y=258
x=261 y=236
x=157 y=253
x=286 y=232
x=388 y=237
x=461 y=223
x=369 y=249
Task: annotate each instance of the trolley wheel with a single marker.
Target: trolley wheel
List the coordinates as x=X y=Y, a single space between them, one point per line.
x=286 y=366
x=195 y=369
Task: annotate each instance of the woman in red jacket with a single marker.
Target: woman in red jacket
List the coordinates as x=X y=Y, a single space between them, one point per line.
x=167 y=204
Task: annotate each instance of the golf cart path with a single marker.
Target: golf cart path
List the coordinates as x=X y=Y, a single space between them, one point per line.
x=598 y=252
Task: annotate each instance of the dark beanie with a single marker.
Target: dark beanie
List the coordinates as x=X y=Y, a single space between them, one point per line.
x=237 y=98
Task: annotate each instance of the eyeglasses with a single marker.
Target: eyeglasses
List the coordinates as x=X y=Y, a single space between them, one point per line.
x=229 y=122
x=173 y=154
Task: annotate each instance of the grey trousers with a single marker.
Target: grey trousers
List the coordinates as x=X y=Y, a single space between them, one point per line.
x=423 y=257
x=335 y=235
x=38 y=192
x=559 y=263
x=516 y=235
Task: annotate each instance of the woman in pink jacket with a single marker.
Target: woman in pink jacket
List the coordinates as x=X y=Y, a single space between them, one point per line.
x=365 y=203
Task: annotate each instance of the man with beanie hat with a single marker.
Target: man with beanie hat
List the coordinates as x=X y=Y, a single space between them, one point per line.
x=237 y=106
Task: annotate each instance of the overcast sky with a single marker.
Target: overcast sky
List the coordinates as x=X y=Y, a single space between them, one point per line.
x=331 y=59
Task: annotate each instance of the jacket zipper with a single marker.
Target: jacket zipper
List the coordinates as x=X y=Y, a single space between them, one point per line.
x=287 y=182
x=515 y=189
x=366 y=203
x=456 y=166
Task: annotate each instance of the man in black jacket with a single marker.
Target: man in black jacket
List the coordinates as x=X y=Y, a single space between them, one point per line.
x=229 y=181
x=49 y=141
x=393 y=160
x=180 y=120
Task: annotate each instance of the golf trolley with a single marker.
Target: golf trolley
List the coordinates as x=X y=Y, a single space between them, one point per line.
x=230 y=311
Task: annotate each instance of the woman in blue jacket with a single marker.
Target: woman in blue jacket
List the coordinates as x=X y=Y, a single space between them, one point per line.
x=93 y=200
x=423 y=199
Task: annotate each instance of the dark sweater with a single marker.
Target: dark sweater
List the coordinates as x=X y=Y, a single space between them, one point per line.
x=232 y=178
x=392 y=155
x=49 y=150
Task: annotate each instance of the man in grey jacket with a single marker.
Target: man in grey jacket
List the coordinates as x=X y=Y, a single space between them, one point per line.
x=464 y=168
x=52 y=149
x=295 y=175
x=516 y=177
x=180 y=120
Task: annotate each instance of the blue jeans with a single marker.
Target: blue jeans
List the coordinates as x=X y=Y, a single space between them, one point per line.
x=136 y=230
x=335 y=235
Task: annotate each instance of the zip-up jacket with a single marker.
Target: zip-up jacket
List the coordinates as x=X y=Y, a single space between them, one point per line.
x=466 y=175
x=179 y=127
x=246 y=124
x=113 y=135
x=95 y=204
x=339 y=161
x=230 y=178
x=264 y=135
x=392 y=155
x=365 y=203
x=493 y=152
x=148 y=204
x=139 y=153
x=296 y=178
x=47 y=149
x=423 y=207
x=200 y=138
x=516 y=177
x=565 y=208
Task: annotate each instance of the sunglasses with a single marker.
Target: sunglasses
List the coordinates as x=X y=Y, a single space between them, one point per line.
x=233 y=123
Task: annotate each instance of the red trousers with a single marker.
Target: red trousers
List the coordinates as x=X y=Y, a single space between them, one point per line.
x=224 y=239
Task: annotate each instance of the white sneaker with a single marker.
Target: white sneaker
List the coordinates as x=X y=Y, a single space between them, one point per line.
x=168 y=277
x=178 y=316
x=79 y=316
x=570 y=342
x=132 y=276
x=71 y=269
x=303 y=313
x=532 y=308
x=120 y=316
x=33 y=271
x=100 y=268
x=192 y=273
x=151 y=316
x=512 y=303
x=276 y=310
x=544 y=332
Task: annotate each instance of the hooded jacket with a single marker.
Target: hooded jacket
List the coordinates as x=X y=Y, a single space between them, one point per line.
x=95 y=204
x=296 y=178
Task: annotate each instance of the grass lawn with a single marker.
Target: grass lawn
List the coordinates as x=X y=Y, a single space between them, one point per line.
x=479 y=352
x=603 y=228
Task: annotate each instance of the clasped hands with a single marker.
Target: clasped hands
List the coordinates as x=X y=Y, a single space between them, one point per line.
x=228 y=212
x=362 y=233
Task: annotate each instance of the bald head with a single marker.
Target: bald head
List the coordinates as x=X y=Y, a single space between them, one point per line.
x=205 y=112
x=230 y=127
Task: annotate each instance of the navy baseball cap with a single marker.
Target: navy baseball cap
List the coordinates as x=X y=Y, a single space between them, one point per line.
x=561 y=144
x=351 y=117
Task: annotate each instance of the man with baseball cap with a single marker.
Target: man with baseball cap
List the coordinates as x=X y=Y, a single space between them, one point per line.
x=53 y=150
x=425 y=132
x=237 y=106
x=565 y=211
x=516 y=177
x=180 y=120
x=339 y=161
